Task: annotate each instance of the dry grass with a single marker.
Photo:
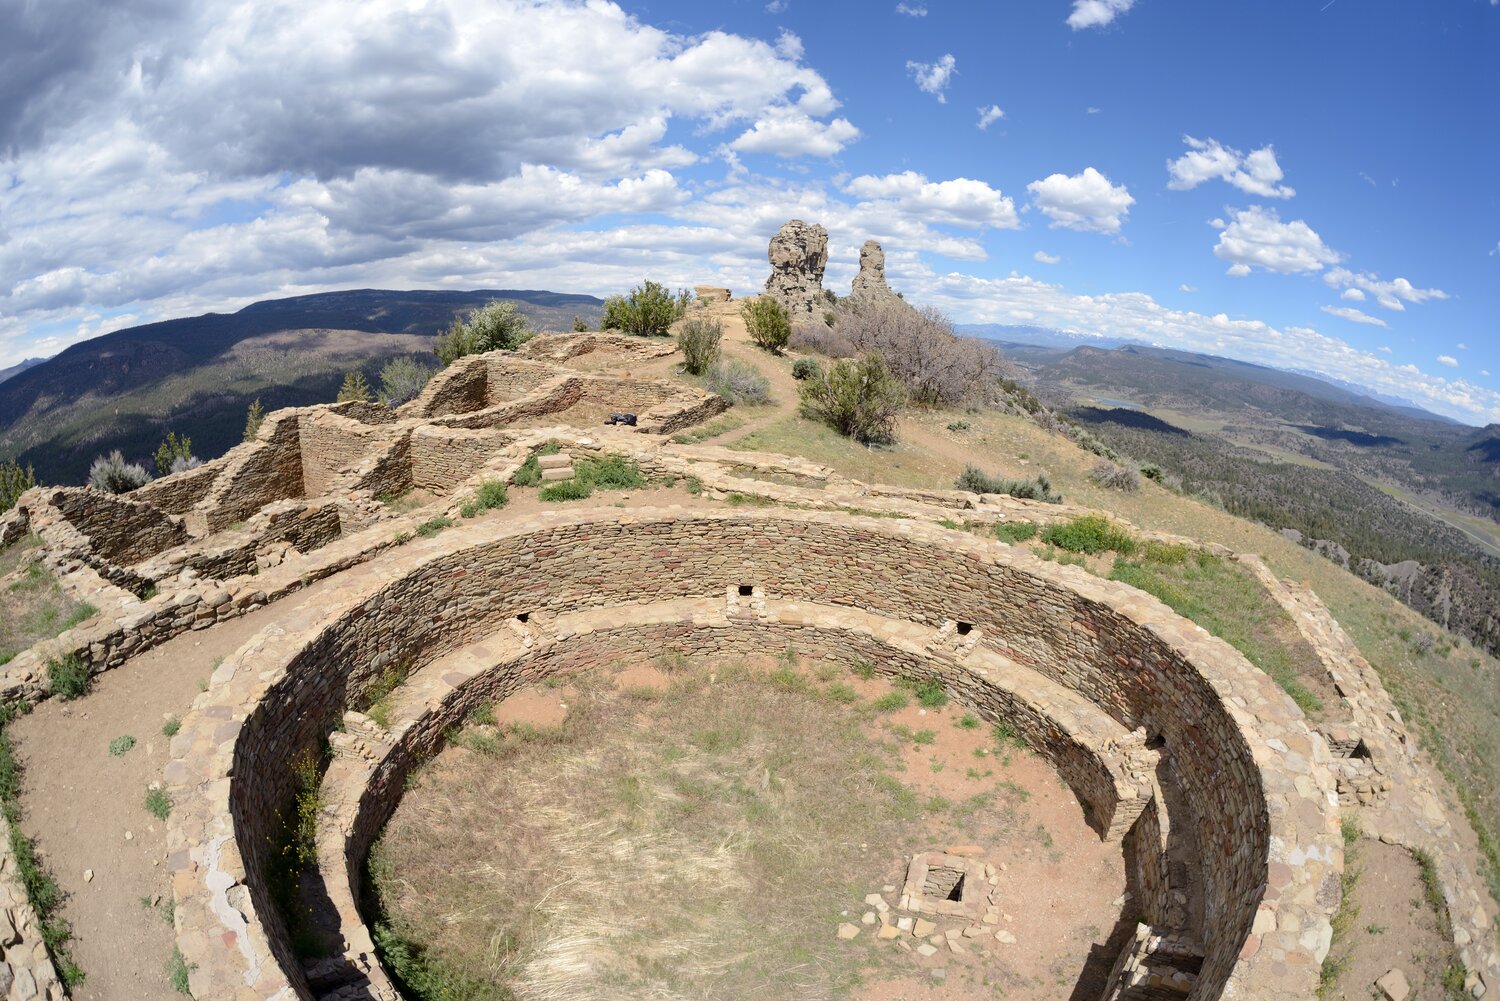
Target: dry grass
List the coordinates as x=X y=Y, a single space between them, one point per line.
x=33 y=606
x=697 y=842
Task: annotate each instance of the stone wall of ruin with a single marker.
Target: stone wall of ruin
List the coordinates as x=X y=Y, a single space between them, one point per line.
x=180 y=492
x=120 y=530
x=265 y=470
x=1128 y=654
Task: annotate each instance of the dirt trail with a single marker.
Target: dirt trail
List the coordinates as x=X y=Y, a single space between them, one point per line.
x=81 y=804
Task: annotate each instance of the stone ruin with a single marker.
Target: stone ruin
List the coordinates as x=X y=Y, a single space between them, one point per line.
x=1225 y=801
x=798 y=254
x=870 y=283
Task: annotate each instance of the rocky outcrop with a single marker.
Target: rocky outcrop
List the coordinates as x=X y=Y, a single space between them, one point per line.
x=870 y=282
x=798 y=254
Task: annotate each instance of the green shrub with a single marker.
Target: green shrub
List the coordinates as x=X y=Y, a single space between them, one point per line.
x=170 y=727
x=402 y=379
x=112 y=474
x=930 y=694
x=958 y=425
x=609 y=472
x=254 y=417
x=767 y=321
x=1090 y=534
x=648 y=309
x=976 y=480
x=172 y=451
x=69 y=677
x=14 y=481
x=120 y=745
x=355 y=389
x=567 y=490
x=490 y=495
x=433 y=526
x=495 y=326
x=738 y=382
x=890 y=702
x=807 y=368
x=1015 y=531
x=580 y=326
x=699 y=343
x=857 y=398
x=158 y=803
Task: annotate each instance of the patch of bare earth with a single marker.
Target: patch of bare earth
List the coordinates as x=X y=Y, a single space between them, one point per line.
x=1389 y=921
x=688 y=831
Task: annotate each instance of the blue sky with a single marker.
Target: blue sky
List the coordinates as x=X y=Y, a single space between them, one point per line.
x=1308 y=185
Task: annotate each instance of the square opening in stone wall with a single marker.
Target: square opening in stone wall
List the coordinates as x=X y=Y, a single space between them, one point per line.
x=523 y=616
x=747 y=590
x=965 y=628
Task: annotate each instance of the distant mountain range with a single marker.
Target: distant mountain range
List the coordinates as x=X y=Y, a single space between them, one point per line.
x=1021 y=336
x=197 y=375
x=6 y=373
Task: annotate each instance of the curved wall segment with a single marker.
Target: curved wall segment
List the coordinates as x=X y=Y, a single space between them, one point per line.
x=1263 y=809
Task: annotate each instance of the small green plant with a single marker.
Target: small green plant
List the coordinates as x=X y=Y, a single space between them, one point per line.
x=177 y=973
x=924 y=736
x=170 y=727
x=69 y=677
x=530 y=473
x=889 y=702
x=377 y=698
x=254 y=417
x=158 y=803
x=433 y=526
x=567 y=490
x=1015 y=531
x=767 y=321
x=491 y=494
x=807 y=368
x=840 y=691
x=610 y=472
x=172 y=451
x=930 y=693
x=1090 y=534
x=355 y=389
x=862 y=669
x=120 y=745
x=968 y=721
x=699 y=343
x=580 y=325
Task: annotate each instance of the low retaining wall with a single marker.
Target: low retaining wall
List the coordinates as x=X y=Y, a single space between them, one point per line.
x=1264 y=812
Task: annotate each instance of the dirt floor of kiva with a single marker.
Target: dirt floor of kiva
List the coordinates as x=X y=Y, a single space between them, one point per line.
x=84 y=801
x=737 y=830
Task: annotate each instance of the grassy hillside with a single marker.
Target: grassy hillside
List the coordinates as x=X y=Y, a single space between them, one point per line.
x=197 y=375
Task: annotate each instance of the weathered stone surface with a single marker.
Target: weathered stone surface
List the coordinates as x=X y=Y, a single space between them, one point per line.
x=798 y=255
x=870 y=283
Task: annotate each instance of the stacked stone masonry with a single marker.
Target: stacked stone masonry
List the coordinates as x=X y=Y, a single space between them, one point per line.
x=1180 y=749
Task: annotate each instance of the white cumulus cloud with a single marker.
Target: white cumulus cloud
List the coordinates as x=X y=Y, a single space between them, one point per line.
x=1448 y=360
x=1185 y=287
x=1255 y=173
x=1096 y=13
x=959 y=202
x=989 y=116
x=1352 y=295
x=789 y=133
x=1257 y=238
x=1392 y=295
x=1086 y=201
x=933 y=78
x=1042 y=257
x=1354 y=315
x=911 y=9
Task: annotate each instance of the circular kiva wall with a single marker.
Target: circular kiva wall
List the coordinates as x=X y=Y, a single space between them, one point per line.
x=1084 y=668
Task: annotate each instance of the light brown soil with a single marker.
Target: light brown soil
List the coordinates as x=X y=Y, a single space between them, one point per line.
x=1393 y=926
x=79 y=802
x=1059 y=886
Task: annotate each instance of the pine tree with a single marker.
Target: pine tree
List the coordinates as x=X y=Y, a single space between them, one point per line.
x=253 y=419
x=355 y=389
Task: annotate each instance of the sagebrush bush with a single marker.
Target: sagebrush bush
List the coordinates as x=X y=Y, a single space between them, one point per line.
x=646 y=310
x=495 y=326
x=921 y=349
x=767 y=321
x=820 y=338
x=857 y=398
x=402 y=379
x=978 y=481
x=355 y=389
x=738 y=382
x=14 y=481
x=699 y=343
x=112 y=474
x=183 y=463
x=807 y=368
x=1113 y=477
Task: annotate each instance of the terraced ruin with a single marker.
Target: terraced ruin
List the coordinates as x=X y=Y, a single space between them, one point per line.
x=348 y=558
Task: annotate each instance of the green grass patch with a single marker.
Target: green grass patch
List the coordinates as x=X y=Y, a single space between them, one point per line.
x=158 y=803
x=433 y=526
x=1229 y=602
x=491 y=495
x=1090 y=534
x=170 y=727
x=889 y=702
x=1015 y=531
x=530 y=473
x=69 y=677
x=566 y=490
